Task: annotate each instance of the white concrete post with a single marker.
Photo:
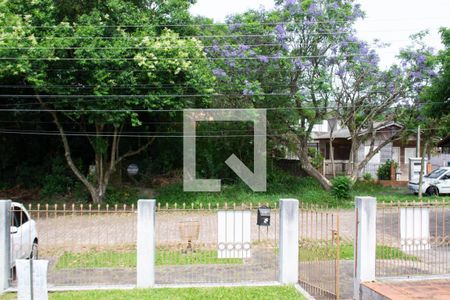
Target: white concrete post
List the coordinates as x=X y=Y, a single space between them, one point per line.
x=146 y=243
x=5 y=243
x=288 y=253
x=32 y=279
x=365 y=242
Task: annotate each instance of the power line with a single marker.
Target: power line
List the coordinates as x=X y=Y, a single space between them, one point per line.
x=147 y=135
x=181 y=47
x=212 y=36
x=257 y=23
x=135 y=96
x=306 y=107
x=259 y=57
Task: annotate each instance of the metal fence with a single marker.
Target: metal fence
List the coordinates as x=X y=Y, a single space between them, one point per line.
x=413 y=239
x=84 y=244
x=95 y=245
x=319 y=252
x=213 y=244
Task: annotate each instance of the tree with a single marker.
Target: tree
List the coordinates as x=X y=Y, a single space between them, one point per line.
x=293 y=48
x=434 y=118
x=93 y=68
x=436 y=96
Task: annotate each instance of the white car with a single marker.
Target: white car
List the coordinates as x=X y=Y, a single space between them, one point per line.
x=24 y=239
x=435 y=183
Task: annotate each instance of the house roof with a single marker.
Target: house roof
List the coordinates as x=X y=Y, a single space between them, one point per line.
x=344 y=133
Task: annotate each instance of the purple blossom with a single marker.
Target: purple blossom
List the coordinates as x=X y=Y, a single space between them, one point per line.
x=357 y=11
x=373 y=59
x=280 y=31
x=215 y=48
x=363 y=48
x=335 y=5
x=277 y=55
x=298 y=63
x=247 y=92
x=235 y=26
x=219 y=73
x=243 y=47
x=314 y=10
x=416 y=75
x=334 y=50
x=421 y=59
x=351 y=39
x=340 y=71
x=431 y=73
x=263 y=58
x=289 y=3
x=309 y=22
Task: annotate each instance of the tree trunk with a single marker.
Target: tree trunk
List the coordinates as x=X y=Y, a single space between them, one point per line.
x=333 y=167
x=309 y=168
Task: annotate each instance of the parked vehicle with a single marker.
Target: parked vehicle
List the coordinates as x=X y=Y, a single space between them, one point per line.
x=24 y=239
x=435 y=183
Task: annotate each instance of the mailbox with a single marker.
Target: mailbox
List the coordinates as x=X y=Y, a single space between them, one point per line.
x=263 y=218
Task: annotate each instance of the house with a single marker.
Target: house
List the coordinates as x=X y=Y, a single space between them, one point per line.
x=399 y=151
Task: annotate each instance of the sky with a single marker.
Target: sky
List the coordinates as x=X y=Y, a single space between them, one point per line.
x=390 y=21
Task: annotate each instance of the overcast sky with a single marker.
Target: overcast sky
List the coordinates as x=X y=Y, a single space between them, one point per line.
x=391 y=21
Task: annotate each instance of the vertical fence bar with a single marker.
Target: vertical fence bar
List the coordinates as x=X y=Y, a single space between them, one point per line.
x=288 y=241
x=5 y=241
x=146 y=243
x=365 y=249
x=337 y=258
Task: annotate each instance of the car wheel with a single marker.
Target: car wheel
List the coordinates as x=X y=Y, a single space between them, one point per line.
x=432 y=191
x=34 y=251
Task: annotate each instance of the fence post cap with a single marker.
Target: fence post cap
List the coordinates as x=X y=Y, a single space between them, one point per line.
x=365 y=198
x=146 y=200
x=289 y=200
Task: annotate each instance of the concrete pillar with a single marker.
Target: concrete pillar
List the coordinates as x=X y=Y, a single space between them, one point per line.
x=146 y=243
x=32 y=279
x=288 y=253
x=365 y=242
x=5 y=243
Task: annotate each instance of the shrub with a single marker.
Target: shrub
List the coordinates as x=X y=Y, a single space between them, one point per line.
x=342 y=187
x=122 y=195
x=384 y=171
x=316 y=158
x=58 y=181
x=367 y=177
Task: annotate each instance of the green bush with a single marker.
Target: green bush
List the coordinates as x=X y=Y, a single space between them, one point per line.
x=342 y=187
x=58 y=181
x=124 y=195
x=367 y=177
x=316 y=158
x=384 y=171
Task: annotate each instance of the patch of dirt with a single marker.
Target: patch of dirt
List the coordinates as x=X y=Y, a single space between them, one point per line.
x=166 y=179
x=20 y=194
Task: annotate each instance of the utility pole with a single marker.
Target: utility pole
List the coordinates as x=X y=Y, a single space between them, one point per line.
x=418 y=142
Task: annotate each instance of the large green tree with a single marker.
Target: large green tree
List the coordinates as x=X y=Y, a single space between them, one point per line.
x=100 y=67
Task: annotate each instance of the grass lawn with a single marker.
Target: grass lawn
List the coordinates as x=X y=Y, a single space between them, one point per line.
x=238 y=293
x=282 y=185
x=346 y=253
x=127 y=259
